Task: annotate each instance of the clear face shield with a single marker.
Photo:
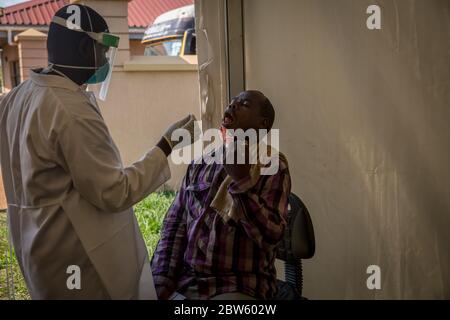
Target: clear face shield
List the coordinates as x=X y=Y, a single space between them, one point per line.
x=104 y=55
x=107 y=42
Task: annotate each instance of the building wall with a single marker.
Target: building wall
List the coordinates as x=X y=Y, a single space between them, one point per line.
x=32 y=54
x=363 y=118
x=136 y=48
x=142 y=104
x=10 y=54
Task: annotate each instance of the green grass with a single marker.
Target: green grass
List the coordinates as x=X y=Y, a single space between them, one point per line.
x=9 y=269
x=150 y=213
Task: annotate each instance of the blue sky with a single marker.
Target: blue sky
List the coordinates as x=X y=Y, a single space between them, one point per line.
x=6 y=3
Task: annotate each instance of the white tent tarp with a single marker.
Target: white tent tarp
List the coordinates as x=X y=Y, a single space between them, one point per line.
x=364 y=118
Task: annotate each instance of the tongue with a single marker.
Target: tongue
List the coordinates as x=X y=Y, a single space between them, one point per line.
x=227 y=120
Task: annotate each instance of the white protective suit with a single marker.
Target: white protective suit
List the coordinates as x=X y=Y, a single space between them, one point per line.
x=69 y=195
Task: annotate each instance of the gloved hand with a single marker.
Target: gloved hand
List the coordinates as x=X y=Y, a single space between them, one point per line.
x=187 y=123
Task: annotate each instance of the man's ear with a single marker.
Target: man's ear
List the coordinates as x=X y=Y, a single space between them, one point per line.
x=85 y=48
x=264 y=123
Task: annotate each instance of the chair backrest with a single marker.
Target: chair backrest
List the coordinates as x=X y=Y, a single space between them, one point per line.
x=298 y=241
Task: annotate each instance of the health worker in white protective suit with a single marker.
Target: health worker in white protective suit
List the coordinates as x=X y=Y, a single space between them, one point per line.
x=69 y=195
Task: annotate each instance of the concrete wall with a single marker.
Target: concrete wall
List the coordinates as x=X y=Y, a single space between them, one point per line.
x=141 y=104
x=364 y=120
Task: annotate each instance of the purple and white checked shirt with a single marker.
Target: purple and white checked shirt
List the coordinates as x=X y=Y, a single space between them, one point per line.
x=197 y=248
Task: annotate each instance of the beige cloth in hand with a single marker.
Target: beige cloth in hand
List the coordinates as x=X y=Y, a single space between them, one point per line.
x=223 y=202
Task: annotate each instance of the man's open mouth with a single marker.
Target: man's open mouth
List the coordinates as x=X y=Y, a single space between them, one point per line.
x=227 y=119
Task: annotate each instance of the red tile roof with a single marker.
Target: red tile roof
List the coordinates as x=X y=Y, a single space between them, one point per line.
x=35 y=12
x=141 y=13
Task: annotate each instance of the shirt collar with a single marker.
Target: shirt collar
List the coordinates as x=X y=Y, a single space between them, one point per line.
x=50 y=80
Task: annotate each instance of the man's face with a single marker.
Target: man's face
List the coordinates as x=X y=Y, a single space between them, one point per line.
x=101 y=52
x=244 y=112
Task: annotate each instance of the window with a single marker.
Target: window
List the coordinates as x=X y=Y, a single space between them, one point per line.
x=166 y=48
x=15 y=73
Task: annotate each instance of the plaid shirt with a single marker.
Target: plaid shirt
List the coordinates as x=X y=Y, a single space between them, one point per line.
x=197 y=248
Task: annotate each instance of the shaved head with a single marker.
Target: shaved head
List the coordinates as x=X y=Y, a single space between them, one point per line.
x=250 y=109
x=265 y=107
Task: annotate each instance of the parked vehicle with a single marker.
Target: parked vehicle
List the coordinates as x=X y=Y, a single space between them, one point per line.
x=172 y=33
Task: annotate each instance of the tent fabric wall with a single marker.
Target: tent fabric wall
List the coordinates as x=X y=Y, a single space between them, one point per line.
x=211 y=53
x=364 y=121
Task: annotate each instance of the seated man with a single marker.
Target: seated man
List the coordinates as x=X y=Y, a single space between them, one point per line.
x=201 y=254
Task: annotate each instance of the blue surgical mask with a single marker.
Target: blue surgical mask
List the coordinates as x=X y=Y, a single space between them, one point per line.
x=99 y=75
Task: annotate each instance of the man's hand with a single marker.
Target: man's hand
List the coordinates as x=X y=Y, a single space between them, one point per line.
x=233 y=169
x=162 y=292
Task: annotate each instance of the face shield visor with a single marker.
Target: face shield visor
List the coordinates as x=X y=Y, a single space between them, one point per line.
x=105 y=49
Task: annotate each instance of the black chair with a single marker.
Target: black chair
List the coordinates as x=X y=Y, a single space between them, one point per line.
x=298 y=243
